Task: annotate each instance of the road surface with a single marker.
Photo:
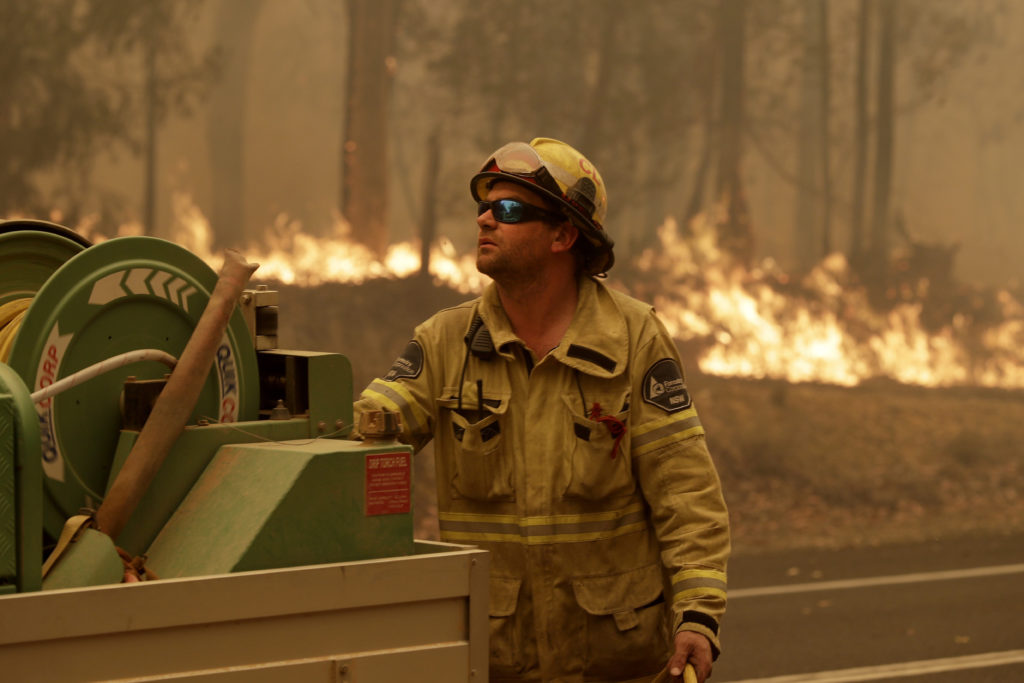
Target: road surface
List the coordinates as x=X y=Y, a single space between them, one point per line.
x=941 y=611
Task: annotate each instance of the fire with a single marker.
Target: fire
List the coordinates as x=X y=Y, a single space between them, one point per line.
x=753 y=323
x=288 y=255
x=758 y=324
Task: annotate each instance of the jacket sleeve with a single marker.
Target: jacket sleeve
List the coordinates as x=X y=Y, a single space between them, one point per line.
x=681 y=486
x=407 y=388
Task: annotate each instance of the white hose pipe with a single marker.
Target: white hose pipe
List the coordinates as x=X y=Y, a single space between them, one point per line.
x=102 y=367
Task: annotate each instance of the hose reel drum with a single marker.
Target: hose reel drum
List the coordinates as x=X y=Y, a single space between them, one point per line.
x=89 y=304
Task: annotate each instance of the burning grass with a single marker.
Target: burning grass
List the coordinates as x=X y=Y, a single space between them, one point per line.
x=921 y=328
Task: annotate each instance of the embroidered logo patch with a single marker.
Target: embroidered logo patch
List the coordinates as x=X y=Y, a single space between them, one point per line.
x=664 y=386
x=409 y=364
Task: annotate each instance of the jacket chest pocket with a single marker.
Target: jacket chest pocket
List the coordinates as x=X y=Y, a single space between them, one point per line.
x=480 y=468
x=597 y=460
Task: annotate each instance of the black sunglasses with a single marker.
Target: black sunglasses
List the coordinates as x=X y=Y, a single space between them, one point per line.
x=515 y=211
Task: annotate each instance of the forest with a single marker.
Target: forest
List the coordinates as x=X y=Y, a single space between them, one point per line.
x=815 y=194
x=683 y=105
x=807 y=139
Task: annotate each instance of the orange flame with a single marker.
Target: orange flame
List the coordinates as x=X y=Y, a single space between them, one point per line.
x=826 y=333
x=290 y=256
x=752 y=323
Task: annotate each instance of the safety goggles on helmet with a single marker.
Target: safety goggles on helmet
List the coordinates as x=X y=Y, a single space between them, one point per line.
x=519 y=159
x=516 y=211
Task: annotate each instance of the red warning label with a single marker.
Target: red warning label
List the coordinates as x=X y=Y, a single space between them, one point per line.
x=388 y=483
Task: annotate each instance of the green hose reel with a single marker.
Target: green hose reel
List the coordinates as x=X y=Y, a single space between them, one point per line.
x=30 y=252
x=88 y=305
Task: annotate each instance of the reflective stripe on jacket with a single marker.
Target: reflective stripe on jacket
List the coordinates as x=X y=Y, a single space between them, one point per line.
x=586 y=475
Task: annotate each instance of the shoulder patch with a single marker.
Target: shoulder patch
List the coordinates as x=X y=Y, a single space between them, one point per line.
x=409 y=364
x=664 y=386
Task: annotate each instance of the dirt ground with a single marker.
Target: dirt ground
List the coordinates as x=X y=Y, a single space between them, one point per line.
x=801 y=465
x=824 y=466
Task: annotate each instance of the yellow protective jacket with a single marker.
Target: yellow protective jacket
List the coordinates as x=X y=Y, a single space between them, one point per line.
x=586 y=475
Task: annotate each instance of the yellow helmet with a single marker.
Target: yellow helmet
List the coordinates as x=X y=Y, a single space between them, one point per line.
x=557 y=171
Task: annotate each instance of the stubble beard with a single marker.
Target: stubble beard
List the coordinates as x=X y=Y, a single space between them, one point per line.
x=494 y=266
x=506 y=269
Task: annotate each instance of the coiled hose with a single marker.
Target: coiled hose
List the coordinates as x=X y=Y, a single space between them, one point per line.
x=11 y=315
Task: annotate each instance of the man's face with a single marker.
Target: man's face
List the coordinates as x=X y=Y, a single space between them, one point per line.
x=512 y=250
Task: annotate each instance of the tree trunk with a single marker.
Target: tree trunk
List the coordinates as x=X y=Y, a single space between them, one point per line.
x=225 y=130
x=364 y=172
x=860 y=135
x=590 y=136
x=824 y=94
x=696 y=200
x=813 y=239
x=428 y=221
x=149 y=189
x=884 y=139
x=736 y=233
x=808 y=211
x=695 y=203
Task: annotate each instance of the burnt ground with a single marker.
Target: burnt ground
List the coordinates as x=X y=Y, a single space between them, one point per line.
x=802 y=465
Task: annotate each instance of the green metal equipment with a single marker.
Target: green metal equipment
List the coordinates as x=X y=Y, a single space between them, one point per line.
x=261 y=480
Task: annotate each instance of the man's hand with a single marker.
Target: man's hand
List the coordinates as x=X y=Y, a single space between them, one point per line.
x=694 y=648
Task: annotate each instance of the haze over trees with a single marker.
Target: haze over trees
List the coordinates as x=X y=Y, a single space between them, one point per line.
x=787 y=114
x=80 y=80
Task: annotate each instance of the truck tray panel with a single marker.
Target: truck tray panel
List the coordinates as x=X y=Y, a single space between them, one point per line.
x=423 y=615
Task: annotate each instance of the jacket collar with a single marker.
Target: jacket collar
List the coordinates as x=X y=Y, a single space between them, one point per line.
x=596 y=343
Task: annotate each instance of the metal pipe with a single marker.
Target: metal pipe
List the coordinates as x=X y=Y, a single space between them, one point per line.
x=177 y=400
x=118 y=361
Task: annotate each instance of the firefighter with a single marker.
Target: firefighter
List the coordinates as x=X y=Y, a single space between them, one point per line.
x=566 y=441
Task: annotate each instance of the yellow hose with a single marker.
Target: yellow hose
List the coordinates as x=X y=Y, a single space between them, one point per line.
x=689 y=675
x=11 y=314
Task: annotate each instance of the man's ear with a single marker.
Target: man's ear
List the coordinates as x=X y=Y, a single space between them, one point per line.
x=566 y=235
